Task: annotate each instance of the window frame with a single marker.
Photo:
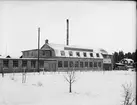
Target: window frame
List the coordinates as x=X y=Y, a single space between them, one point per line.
x=33 y=62
x=71 y=64
x=60 y=66
x=99 y=64
x=43 y=52
x=77 y=64
x=97 y=54
x=15 y=63
x=96 y=64
x=84 y=54
x=41 y=64
x=78 y=54
x=90 y=63
x=7 y=63
x=62 y=53
x=86 y=64
x=24 y=63
x=70 y=53
x=91 y=54
x=65 y=64
x=81 y=64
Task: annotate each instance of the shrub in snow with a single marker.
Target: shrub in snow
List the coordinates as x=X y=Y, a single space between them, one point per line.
x=12 y=78
x=39 y=84
x=23 y=77
x=128 y=96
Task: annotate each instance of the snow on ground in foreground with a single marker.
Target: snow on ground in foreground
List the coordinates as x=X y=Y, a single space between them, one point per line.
x=90 y=88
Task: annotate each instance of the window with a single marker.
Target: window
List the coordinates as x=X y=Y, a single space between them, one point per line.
x=65 y=63
x=84 y=54
x=60 y=64
x=78 y=54
x=5 y=63
x=62 y=53
x=86 y=64
x=41 y=64
x=76 y=64
x=24 y=63
x=125 y=62
x=15 y=63
x=131 y=61
x=107 y=56
x=122 y=61
x=25 y=53
x=70 y=53
x=43 y=52
x=91 y=54
x=97 y=54
x=28 y=53
x=99 y=64
x=33 y=64
x=95 y=64
x=31 y=53
x=48 y=53
x=90 y=64
x=71 y=64
x=81 y=64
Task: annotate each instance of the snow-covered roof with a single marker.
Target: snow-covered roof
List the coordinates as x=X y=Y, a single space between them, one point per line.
x=59 y=53
x=64 y=51
x=128 y=60
x=103 y=51
x=62 y=47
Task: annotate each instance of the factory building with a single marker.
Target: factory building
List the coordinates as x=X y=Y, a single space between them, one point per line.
x=58 y=57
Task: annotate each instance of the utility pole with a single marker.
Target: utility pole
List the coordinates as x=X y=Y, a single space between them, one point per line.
x=67 y=32
x=38 y=46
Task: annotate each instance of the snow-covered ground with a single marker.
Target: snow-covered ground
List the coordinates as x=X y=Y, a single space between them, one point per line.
x=90 y=88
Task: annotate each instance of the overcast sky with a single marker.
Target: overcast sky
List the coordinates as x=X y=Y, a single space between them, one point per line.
x=109 y=25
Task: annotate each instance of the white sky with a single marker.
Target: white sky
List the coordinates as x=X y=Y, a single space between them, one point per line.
x=104 y=24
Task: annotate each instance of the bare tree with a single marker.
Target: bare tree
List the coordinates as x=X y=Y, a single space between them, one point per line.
x=43 y=71
x=128 y=94
x=24 y=75
x=13 y=72
x=70 y=78
x=2 y=69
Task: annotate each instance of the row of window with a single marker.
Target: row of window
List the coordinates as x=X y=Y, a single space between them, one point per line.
x=34 y=53
x=77 y=64
x=78 y=54
x=24 y=63
x=64 y=64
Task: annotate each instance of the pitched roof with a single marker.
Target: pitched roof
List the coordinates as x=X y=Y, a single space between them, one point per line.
x=128 y=60
x=60 y=48
x=71 y=47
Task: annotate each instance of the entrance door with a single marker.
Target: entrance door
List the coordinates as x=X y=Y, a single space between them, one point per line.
x=46 y=65
x=50 y=65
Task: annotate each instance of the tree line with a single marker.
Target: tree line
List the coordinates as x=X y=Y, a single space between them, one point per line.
x=117 y=56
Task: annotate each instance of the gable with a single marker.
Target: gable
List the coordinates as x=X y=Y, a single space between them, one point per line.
x=46 y=47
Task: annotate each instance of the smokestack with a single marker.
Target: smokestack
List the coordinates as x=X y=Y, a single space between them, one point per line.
x=38 y=46
x=67 y=32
